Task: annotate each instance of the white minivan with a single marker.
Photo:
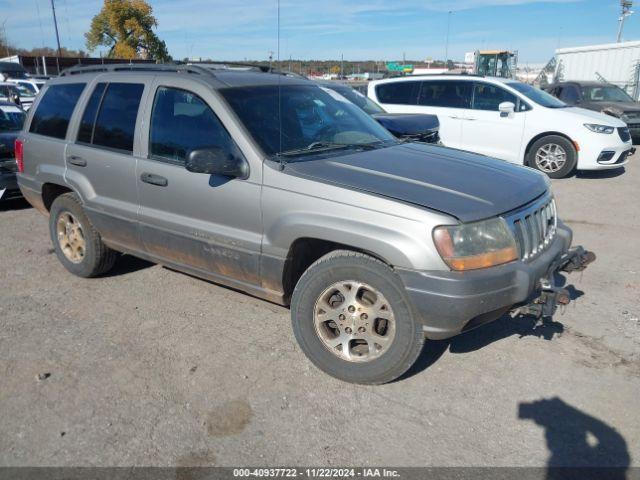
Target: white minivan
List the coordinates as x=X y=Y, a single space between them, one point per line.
x=510 y=120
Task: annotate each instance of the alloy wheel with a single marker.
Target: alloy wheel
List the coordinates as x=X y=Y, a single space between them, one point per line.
x=354 y=321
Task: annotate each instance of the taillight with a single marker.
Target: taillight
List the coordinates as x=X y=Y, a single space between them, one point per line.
x=19 y=154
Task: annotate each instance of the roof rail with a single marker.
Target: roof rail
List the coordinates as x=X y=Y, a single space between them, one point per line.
x=218 y=65
x=136 y=67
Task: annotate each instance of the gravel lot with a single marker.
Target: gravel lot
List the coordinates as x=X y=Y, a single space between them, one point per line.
x=152 y=367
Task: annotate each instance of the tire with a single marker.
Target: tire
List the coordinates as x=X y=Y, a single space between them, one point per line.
x=396 y=340
x=560 y=164
x=79 y=248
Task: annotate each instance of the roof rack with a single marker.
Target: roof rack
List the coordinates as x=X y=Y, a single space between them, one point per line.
x=218 y=65
x=137 y=67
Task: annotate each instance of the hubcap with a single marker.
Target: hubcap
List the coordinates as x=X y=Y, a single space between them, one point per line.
x=354 y=321
x=71 y=237
x=551 y=157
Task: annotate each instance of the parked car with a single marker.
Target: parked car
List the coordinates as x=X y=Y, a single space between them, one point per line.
x=372 y=242
x=510 y=120
x=31 y=86
x=601 y=97
x=12 y=70
x=10 y=93
x=422 y=128
x=27 y=96
x=11 y=121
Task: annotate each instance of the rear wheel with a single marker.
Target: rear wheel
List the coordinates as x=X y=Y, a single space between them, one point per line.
x=77 y=243
x=554 y=155
x=352 y=319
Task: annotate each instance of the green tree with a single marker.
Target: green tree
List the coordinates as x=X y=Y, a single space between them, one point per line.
x=126 y=27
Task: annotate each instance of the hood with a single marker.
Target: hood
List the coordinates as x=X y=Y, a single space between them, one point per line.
x=589 y=116
x=401 y=124
x=614 y=107
x=7 y=143
x=467 y=186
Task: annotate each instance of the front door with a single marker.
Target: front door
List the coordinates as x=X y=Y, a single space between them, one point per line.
x=485 y=130
x=210 y=225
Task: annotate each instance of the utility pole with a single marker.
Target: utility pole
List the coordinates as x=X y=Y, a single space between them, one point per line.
x=270 y=60
x=341 y=66
x=625 y=12
x=4 y=37
x=446 y=47
x=55 y=24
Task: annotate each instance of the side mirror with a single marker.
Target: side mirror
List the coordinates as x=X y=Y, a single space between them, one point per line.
x=215 y=161
x=507 y=109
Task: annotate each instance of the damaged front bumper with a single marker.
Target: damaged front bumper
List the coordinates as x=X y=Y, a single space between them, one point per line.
x=448 y=302
x=549 y=296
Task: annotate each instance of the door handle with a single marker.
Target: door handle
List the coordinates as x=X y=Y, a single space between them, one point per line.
x=154 y=179
x=77 y=161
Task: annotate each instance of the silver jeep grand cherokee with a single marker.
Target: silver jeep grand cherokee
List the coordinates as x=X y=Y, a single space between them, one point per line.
x=285 y=190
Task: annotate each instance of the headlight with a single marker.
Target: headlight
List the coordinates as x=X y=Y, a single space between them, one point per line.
x=476 y=245
x=594 y=127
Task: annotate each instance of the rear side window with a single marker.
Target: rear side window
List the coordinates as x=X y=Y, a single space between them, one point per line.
x=55 y=109
x=446 y=93
x=181 y=122
x=488 y=97
x=398 y=93
x=115 y=123
x=85 y=133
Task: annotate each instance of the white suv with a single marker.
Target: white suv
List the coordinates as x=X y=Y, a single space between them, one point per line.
x=510 y=120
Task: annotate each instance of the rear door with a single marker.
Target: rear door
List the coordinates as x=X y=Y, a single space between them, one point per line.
x=101 y=163
x=449 y=100
x=205 y=223
x=489 y=132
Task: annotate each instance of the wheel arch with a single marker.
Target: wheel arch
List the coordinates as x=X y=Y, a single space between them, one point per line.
x=51 y=191
x=305 y=251
x=547 y=134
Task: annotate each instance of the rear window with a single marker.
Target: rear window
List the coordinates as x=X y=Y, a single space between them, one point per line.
x=55 y=109
x=115 y=123
x=398 y=93
x=446 y=93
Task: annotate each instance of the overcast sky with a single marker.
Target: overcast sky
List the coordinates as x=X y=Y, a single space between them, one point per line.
x=359 y=29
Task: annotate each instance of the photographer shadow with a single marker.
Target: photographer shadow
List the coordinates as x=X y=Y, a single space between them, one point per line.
x=581 y=446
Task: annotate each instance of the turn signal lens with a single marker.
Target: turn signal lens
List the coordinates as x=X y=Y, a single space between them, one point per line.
x=477 y=245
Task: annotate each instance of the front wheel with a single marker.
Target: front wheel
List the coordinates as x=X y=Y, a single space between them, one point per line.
x=554 y=155
x=351 y=318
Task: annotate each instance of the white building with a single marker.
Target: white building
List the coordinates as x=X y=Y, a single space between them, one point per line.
x=616 y=63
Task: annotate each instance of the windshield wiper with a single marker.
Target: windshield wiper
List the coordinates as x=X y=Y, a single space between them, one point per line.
x=313 y=148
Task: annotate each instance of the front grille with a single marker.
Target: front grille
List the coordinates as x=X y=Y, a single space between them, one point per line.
x=624 y=133
x=534 y=227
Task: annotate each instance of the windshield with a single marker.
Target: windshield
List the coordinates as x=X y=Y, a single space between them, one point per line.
x=358 y=99
x=308 y=118
x=538 y=96
x=11 y=119
x=608 y=93
x=26 y=89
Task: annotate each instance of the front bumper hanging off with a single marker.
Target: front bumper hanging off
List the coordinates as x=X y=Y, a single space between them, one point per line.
x=549 y=297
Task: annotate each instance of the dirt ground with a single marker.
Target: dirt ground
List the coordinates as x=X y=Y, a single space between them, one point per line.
x=148 y=366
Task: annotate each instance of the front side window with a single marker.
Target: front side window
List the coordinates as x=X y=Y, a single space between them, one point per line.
x=290 y=118
x=536 y=95
x=182 y=122
x=55 y=108
x=489 y=97
x=115 y=124
x=398 y=93
x=569 y=94
x=446 y=93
